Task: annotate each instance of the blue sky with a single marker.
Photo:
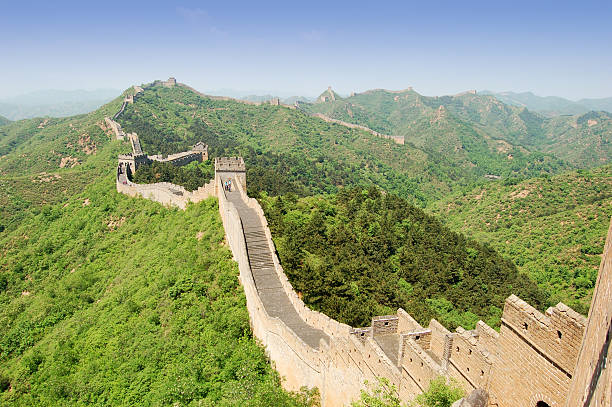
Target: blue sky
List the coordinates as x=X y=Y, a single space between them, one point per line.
x=296 y=47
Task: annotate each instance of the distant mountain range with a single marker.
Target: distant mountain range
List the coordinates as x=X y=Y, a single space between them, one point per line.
x=287 y=101
x=4 y=120
x=55 y=103
x=551 y=105
x=473 y=129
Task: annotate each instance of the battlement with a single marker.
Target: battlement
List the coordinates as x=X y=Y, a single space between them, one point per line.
x=557 y=333
x=229 y=164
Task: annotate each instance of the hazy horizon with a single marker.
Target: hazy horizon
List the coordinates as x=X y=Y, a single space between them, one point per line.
x=548 y=48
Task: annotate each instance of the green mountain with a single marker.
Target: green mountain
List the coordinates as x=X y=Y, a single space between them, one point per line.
x=476 y=129
x=552 y=228
x=551 y=105
x=289 y=151
x=106 y=299
x=45 y=161
x=328 y=96
x=4 y=120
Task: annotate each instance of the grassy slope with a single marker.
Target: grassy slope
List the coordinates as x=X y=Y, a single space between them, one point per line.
x=109 y=300
x=114 y=302
x=552 y=228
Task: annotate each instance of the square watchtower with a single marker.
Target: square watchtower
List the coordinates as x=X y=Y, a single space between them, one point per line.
x=233 y=167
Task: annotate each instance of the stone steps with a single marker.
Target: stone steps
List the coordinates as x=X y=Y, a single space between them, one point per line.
x=269 y=287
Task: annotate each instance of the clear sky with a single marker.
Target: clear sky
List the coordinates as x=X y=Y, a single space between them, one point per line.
x=300 y=47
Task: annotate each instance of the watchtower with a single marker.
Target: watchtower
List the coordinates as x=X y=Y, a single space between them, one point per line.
x=233 y=167
x=202 y=149
x=170 y=82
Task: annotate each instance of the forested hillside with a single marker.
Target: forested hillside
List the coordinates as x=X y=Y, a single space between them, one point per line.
x=552 y=228
x=478 y=128
x=288 y=151
x=362 y=253
x=108 y=300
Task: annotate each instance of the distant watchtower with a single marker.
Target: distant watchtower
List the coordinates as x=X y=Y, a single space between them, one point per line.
x=202 y=149
x=231 y=166
x=170 y=82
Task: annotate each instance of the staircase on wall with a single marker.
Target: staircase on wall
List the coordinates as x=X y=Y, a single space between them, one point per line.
x=269 y=288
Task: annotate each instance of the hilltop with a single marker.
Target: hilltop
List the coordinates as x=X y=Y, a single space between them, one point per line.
x=477 y=129
x=552 y=228
x=328 y=95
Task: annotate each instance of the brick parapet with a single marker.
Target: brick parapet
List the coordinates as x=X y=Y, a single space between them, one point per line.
x=557 y=334
x=385 y=324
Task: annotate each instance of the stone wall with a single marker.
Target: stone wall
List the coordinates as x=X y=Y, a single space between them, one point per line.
x=592 y=382
x=470 y=357
x=116 y=128
x=166 y=193
x=396 y=139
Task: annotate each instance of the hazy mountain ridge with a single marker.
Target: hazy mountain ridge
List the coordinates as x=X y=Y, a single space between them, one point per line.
x=55 y=103
x=4 y=120
x=551 y=105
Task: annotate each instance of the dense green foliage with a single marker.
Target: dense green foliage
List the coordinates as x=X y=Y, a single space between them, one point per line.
x=552 y=228
x=110 y=300
x=363 y=253
x=116 y=301
x=383 y=394
x=497 y=138
x=439 y=394
x=191 y=176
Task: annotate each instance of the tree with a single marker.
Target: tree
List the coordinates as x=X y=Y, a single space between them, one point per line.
x=439 y=394
x=384 y=394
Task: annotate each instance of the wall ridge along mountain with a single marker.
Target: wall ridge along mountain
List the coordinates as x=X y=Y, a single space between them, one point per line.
x=276 y=102
x=530 y=362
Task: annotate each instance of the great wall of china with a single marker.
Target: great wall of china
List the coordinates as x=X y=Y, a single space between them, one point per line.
x=555 y=359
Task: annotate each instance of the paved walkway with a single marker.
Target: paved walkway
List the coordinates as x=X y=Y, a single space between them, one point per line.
x=275 y=300
x=390 y=345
